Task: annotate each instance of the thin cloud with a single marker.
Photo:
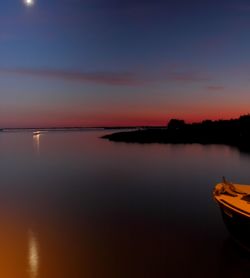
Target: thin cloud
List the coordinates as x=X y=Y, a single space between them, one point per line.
x=215 y=88
x=106 y=78
x=186 y=77
x=111 y=78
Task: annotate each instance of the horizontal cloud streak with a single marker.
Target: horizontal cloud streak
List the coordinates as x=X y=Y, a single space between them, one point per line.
x=186 y=77
x=215 y=88
x=106 y=78
x=111 y=78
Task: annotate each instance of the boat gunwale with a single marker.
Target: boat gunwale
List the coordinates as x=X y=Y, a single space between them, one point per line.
x=232 y=207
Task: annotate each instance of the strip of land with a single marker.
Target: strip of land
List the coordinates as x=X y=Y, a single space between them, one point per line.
x=234 y=132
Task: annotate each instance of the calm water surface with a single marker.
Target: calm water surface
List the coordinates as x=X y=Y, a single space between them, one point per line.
x=74 y=205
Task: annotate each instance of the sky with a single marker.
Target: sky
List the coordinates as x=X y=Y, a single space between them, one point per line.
x=106 y=63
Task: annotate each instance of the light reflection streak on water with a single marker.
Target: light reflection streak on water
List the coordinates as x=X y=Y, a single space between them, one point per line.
x=36 y=139
x=33 y=255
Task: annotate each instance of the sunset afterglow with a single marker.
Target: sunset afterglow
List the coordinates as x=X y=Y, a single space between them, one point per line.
x=82 y=63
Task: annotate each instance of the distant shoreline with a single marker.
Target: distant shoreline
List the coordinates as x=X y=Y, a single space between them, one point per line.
x=234 y=132
x=75 y=128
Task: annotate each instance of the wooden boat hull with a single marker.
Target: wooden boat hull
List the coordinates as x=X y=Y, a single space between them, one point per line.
x=234 y=203
x=238 y=226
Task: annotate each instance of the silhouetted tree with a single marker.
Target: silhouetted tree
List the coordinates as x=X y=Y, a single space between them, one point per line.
x=176 y=124
x=245 y=119
x=207 y=122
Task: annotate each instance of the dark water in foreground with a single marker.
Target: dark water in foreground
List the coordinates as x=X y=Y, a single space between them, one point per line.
x=74 y=205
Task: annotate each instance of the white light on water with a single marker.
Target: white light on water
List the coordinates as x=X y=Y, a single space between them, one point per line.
x=36 y=139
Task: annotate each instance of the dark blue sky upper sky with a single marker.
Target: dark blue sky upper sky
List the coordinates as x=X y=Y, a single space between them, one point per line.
x=76 y=62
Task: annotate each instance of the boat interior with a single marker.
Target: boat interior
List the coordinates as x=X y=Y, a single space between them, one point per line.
x=233 y=196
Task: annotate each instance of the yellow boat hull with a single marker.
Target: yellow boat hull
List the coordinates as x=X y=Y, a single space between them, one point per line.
x=235 y=212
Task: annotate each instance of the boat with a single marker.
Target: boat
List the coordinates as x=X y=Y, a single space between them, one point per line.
x=234 y=203
x=36 y=133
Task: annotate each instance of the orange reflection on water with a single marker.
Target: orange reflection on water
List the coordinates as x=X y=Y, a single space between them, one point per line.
x=33 y=255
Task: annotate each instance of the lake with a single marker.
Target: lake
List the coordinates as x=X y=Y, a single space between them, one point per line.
x=74 y=205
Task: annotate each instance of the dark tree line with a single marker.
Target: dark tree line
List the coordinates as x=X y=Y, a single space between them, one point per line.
x=235 y=132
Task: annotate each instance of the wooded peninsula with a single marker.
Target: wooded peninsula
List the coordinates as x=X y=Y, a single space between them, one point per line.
x=233 y=132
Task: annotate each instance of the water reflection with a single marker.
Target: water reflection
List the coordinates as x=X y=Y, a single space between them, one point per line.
x=113 y=210
x=33 y=255
x=36 y=140
x=233 y=259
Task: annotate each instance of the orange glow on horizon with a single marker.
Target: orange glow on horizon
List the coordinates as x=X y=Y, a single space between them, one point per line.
x=132 y=118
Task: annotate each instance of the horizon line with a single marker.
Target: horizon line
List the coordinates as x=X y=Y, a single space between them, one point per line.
x=123 y=126
x=81 y=127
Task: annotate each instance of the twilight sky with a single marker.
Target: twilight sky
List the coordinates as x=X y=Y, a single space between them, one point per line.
x=133 y=62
